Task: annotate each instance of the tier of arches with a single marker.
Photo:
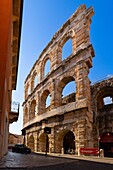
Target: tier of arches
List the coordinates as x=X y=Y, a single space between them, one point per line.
x=66 y=144
x=65 y=93
x=64 y=49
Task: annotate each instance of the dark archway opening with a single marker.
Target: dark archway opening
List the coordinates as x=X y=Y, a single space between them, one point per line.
x=106 y=143
x=69 y=143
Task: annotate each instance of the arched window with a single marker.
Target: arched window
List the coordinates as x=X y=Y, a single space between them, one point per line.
x=68 y=93
x=105 y=97
x=45 y=101
x=28 y=90
x=35 y=81
x=47 y=67
x=48 y=101
x=67 y=49
x=107 y=100
x=69 y=88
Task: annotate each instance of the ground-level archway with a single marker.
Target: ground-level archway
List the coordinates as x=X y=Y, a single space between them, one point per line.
x=43 y=140
x=31 y=142
x=106 y=143
x=69 y=142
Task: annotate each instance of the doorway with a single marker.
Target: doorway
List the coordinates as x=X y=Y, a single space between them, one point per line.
x=69 y=143
x=106 y=143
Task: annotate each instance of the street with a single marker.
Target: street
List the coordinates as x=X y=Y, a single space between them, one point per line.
x=41 y=162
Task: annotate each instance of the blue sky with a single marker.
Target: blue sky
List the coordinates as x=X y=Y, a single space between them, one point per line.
x=42 y=18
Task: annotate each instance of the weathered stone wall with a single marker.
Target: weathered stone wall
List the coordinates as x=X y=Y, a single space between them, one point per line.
x=71 y=114
x=103 y=114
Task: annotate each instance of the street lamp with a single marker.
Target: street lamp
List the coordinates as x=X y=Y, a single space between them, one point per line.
x=24 y=133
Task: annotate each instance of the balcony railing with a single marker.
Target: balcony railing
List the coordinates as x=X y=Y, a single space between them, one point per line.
x=14 y=112
x=15 y=107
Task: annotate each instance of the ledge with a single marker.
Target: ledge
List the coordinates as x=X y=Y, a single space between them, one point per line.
x=59 y=111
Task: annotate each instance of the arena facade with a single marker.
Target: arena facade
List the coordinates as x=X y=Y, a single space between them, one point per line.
x=81 y=119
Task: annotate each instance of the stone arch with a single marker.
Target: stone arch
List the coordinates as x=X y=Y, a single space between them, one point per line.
x=44 y=96
x=60 y=87
x=101 y=94
x=59 y=140
x=42 y=143
x=32 y=109
x=46 y=58
x=98 y=90
x=69 y=142
x=30 y=142
x=103 y=113
x=68 y=35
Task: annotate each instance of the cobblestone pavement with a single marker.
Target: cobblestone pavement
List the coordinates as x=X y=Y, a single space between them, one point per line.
x=41 y=162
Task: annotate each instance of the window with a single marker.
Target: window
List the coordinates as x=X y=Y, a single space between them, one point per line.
x=67 y=49
x=28 y=90
x=35 y=81
x=47 y=67
x=69 y=88
x=48 y=101
x=107 y=100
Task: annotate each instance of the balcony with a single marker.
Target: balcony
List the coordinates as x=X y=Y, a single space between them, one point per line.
x=14 y=112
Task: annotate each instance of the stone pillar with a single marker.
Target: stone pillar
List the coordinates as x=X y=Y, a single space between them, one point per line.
x=54 y=59
x=29 y=111
x=52 y=94
x=51 y=141
x=59 y=54
x=82 y=81
x=24 y=115
x=83 y=28
x=38 y=103
x=26 y=140
x=82 y=138
x=35 y=142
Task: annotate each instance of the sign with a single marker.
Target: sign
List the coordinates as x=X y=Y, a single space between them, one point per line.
x=23 y=132
x=47 y=130
x=94 y=151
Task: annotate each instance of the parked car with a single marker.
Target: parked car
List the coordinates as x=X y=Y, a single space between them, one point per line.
x=21 y=148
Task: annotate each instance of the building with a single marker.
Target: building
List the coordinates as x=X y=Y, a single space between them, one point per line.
x=14 y=139
x=73 y=119
x=10 y=32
